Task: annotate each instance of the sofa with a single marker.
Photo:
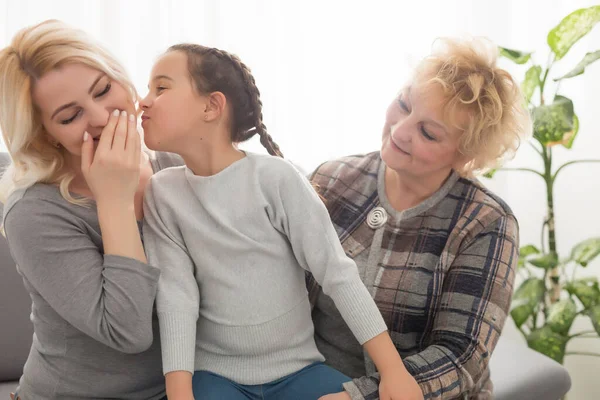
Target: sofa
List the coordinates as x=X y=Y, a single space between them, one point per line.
x=518 y=373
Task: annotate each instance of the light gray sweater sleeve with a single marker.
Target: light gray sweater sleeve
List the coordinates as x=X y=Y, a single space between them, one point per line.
x=108 y=297
x=297 y=212
x=178 y=298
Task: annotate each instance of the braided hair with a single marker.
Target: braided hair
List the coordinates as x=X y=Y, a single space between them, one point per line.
x=215 y=70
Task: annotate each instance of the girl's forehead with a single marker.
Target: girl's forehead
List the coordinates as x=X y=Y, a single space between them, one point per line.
x=174 y=61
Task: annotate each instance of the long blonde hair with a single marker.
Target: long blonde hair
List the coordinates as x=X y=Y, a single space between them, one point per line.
x=34 y=51
x=498 y=120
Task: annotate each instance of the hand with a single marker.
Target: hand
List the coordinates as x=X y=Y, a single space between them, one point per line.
x=399 y=385
x=113 y=171
x=336 y=396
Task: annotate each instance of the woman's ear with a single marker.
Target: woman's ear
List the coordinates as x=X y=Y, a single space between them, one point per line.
x=215 y=106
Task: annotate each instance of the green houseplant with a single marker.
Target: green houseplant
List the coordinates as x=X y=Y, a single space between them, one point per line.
x=551 y=296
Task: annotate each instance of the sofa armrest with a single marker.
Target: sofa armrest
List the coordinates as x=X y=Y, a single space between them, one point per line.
x=520 y=373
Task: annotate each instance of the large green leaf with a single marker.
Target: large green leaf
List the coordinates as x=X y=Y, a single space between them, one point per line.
x=551 y=122
x=519 y=57
x=561 y=316
x=528 y=250
x=526 y=298
x=580 y=68
x=546 y=261
x=586 y=290
x=531 y=82
x=586 y=251
x=569 y=138
x=525 y=252
x=548 y=342
x=490 y=174
x=572 y=28
x=594 y=314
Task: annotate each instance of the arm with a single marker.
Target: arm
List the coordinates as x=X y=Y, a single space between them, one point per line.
x=107 y=297
x=177 y=300
x=120 y=232
x=112 y=173
x=469 y=319
x=297 y=212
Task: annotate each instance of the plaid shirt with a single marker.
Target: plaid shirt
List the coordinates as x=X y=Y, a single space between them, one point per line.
x=443 y=278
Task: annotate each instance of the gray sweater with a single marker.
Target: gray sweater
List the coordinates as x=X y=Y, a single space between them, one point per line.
x=233 y=249
x=92 y=313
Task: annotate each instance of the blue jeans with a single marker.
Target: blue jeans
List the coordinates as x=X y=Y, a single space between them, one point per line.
x=309 y=383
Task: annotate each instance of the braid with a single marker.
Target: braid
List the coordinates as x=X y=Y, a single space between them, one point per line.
x=217 y=70
x=257 y=124
x=267 y=141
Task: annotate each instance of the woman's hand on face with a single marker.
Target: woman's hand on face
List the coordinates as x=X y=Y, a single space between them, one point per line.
x=112 y=172
x=336 y=396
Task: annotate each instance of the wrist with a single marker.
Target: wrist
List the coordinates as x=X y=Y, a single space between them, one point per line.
x=115 y=207
x=179 y=384
x=393 y=368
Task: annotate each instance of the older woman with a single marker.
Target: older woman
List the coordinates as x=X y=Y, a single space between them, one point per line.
x=436 y=249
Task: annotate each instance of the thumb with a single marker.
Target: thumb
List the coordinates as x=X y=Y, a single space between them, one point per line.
x=87 y=153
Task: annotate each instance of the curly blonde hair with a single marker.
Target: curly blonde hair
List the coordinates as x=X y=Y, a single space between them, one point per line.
x=34 y=51
x=472 y=85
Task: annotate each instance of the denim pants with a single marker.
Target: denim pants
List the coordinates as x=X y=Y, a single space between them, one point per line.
x=309 y=383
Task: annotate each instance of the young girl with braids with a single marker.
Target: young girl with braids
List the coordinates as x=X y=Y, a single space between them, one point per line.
x=233 y=233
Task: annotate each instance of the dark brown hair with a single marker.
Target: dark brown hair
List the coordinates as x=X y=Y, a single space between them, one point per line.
x=215 y=70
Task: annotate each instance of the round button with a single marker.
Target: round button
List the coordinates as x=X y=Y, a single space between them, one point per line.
x=377 y=217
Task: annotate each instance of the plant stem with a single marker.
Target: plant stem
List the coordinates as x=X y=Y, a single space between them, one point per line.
x=521 y=169
x=584 y=333
x=535 y=148
x=543 y=82
x=543 y=241
x=554 y=273
x=581 y=353
x=544 y=302
x=524 y=169
x=571 y=163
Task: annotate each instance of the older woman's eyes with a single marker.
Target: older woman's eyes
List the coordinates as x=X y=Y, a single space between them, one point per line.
x=402 y=104
x=426 y=134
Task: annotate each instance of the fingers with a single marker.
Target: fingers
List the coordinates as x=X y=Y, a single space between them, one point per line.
x=87 y=153
x=108 y=133
x=120 y=137
x=133 y=143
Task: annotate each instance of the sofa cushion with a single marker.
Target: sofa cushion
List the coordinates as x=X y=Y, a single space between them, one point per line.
x=15 y=307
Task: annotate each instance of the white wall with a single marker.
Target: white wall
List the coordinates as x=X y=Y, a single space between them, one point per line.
x=328 y=69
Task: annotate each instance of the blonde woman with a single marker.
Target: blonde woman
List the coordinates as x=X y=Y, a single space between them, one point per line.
x=72 y=210
x=435 y=248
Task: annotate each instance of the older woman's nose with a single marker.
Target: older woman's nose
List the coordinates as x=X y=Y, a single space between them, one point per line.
x=401 y=131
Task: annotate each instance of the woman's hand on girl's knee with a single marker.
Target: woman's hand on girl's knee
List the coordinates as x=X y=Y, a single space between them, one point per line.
x=336 y=396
